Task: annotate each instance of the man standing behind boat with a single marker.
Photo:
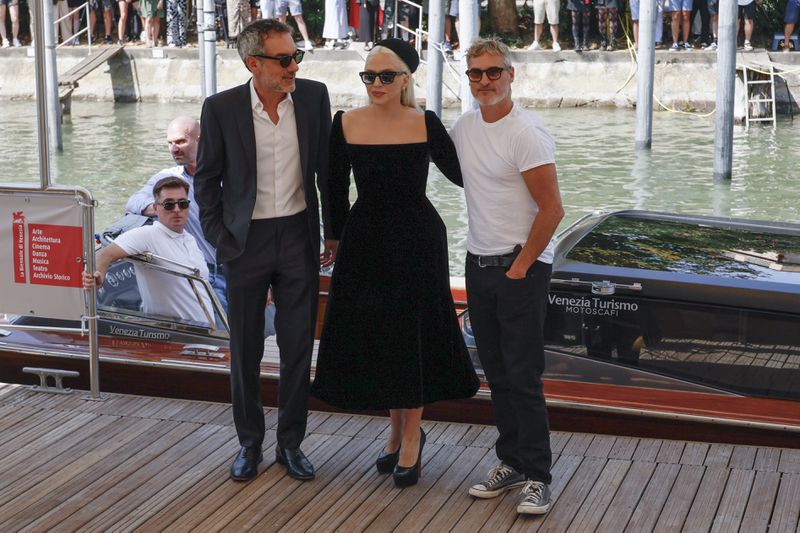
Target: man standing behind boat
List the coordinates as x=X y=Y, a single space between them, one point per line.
x=183 y=134
x=514 y=207
x=263 y=150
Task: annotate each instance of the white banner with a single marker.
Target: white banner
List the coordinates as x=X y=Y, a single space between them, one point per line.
x=41 y=255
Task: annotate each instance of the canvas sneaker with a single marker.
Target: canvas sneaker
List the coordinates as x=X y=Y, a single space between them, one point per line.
x=711 y=47
x=688 y=46
x=674 y=47
x=500 y=479
x=308 y=46
x=6 y=43
x=15 y=42
x=534 y=46
x=535 y=498
x=556 y=46
x=748 y=47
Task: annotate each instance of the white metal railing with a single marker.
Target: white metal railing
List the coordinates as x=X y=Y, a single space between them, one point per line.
x=85 y=7
x=418 y=32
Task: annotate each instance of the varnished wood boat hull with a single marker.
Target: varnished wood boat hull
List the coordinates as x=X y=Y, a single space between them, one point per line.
x=569 y=403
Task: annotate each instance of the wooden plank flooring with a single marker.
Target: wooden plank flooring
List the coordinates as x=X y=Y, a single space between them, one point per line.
x=150 y=464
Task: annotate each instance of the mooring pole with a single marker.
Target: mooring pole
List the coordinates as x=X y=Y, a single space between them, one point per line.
x=51 y=75
x=645 y=74
x=726 y=82
x=433 y=100
x=210 y=48
x=200 y=46
x=468 y=33
x=41 y=91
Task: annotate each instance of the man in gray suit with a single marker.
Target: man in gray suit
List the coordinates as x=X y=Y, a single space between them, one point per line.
x=263 y=152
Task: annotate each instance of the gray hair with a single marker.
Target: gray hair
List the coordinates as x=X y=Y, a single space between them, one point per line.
x=251 y=39
x=489 y=46
x=407 y=97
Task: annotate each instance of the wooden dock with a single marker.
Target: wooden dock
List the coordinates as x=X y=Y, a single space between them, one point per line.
x=150 y=464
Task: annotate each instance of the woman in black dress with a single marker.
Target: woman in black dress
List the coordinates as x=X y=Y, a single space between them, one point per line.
x=391 y=339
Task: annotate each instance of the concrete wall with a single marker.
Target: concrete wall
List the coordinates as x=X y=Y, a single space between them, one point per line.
x=683 y=80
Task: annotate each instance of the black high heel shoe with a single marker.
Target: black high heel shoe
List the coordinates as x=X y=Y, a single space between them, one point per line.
x=386 y=462
x=405 y=476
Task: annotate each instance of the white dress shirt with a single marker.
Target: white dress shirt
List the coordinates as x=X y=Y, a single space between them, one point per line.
x=279 y=190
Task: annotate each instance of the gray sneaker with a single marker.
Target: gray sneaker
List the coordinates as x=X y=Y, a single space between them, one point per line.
x=535 y=498
x=500 y=479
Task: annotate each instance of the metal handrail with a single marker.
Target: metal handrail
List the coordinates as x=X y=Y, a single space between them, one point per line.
x=84 y=6
x=193 y=278
x=418 y=33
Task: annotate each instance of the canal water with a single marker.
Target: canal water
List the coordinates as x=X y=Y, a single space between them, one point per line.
x=112 y=149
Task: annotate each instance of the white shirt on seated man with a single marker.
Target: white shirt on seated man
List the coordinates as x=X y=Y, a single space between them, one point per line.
x=162 y=294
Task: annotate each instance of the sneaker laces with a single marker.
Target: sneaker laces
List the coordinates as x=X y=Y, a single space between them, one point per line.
x=498 y=473
x=533 y=491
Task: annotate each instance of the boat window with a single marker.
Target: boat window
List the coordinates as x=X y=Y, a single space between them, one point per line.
x=121 y=293
x=744 y=351
x=690 y=248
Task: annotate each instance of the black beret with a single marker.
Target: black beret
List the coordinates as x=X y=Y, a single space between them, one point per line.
x=405 y=51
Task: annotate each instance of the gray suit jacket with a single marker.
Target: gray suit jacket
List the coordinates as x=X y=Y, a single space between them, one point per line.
x=225 y=180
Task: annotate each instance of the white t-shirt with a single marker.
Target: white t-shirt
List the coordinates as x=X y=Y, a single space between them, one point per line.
x=165 y=294
x=493 y=156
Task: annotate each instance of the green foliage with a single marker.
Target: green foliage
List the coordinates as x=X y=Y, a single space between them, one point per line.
x=769 y=18
x=314 y=15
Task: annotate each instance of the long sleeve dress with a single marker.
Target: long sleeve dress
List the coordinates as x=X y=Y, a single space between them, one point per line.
x=391 y=339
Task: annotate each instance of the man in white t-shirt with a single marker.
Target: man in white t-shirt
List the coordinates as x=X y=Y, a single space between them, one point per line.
x=514 y=207
x=162 y=294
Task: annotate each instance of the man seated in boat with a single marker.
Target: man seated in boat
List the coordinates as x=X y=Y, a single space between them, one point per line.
x=183 y=134
x=162 y=293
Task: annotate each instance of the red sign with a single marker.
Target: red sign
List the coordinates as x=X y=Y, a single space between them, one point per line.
x=55 y=255
x=18 y=236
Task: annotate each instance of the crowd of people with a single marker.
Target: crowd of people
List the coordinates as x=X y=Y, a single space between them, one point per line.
x=683 y=16
x=690 y=23
x=270 y=165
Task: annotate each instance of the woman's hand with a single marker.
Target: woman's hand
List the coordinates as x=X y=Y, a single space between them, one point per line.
x=328 y=256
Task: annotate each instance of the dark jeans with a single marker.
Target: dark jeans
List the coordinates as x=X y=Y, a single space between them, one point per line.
x=277 y=253
x=705 y=20
x=507 y=320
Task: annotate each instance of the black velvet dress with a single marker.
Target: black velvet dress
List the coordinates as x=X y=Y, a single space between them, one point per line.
x=391 y=339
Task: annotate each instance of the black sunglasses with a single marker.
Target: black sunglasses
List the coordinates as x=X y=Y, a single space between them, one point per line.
x=169 y=205
x=493 y=73
x=386 y=77
x=284 y=60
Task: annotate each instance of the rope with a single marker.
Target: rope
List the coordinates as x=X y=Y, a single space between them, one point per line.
x=634 y=56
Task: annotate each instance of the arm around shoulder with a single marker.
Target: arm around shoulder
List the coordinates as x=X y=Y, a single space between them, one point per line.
x=442 y=149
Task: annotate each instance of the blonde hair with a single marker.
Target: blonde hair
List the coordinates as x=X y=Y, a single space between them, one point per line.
x=489 y=46
x=407 y=97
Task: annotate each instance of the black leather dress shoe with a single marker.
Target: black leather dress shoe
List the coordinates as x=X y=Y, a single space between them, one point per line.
x=296 y=463
x=245 y=466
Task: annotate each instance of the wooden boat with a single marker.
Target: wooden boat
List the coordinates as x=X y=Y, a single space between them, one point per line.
x=658 y=325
